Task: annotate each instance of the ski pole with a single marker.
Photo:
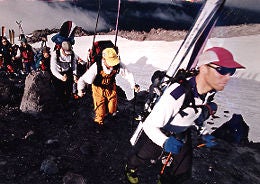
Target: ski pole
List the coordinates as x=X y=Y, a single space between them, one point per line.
x=166 y=162
x=208 y=144
x=134 y=102
x=117 y=20
x=201 y=145
x=20 y=26
x=95 y=31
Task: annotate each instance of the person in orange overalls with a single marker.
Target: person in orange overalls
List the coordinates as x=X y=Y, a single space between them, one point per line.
x=102 y=77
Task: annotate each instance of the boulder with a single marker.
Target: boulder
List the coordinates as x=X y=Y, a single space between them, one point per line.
x=38 y=93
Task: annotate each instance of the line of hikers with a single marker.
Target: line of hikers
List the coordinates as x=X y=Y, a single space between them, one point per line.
x=167 y=128
x=69 y=73
x=22 y=59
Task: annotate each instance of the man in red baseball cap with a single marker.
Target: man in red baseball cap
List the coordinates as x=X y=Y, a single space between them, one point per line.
x=219 y=56
x=167 y=128
x=222 y=62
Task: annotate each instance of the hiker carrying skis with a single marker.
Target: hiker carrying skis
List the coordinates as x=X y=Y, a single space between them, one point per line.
x=102 y=75
x=167 y=127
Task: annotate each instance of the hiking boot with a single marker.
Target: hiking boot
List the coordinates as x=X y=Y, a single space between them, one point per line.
x=131 y=175
x=112 y=117
x=99 y=123
x=98 y=127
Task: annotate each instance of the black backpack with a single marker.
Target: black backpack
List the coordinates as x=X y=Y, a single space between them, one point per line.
x=95 y=53
x=95 y=56
x=234 y=131
x=155 y=90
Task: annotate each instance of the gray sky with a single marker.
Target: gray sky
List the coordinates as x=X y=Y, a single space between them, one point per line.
x=39 y=15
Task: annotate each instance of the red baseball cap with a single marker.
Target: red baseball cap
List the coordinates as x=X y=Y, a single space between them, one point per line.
x=219 y=56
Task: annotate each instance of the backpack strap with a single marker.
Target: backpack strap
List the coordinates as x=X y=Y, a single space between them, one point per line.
x=98 y=79
x=186 y=88
x=58 y=56
x=189 y=100
x=99 y=66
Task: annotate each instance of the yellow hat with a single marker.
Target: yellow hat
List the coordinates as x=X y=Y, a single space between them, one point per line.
x=111 y=57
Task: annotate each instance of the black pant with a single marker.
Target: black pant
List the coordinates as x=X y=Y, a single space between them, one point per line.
x=181 y=167
x=147 y=150
x=64 y=88
x=144 y=151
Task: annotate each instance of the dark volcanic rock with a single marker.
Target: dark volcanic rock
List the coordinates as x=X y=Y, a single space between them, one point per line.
x=49 y=167
x=71 y=178
x=11 y=89
x=95 y=155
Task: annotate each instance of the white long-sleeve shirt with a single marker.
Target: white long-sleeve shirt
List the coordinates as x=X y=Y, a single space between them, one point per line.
x=166 y=111
x=63 y=64
x=89 y=76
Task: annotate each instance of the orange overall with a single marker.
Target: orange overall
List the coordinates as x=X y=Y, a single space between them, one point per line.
x=104 y=96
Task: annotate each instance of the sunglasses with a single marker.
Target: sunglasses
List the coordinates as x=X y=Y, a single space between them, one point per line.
x=223 y=70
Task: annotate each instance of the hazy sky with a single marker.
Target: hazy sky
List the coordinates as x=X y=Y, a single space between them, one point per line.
x=40 y=15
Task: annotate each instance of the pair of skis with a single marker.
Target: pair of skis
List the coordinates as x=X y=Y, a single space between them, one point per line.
x=11 y=34
x=192 y=46
x=3 y=31
x=197 y=37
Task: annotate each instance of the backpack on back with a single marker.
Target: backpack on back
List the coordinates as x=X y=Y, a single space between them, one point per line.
x=95 y=53
x=181 y=78
x=234 y=131
x=66 y=33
